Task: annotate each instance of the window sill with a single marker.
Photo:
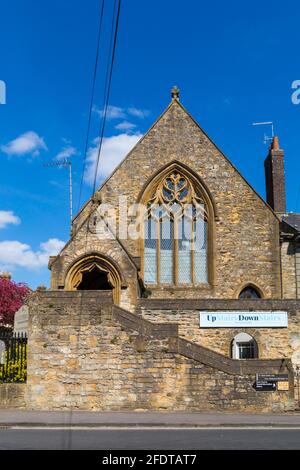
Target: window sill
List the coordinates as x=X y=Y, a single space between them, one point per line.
x=178 y=288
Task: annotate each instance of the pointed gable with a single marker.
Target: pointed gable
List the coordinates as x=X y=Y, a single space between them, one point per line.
x=245 y=230
x=175 y=136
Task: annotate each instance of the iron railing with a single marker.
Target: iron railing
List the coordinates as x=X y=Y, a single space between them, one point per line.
x=13 y=357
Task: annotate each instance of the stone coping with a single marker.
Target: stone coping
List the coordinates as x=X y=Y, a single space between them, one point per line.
x=290 y=305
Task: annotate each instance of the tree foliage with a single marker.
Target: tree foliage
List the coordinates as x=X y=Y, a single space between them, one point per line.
x=12 y=297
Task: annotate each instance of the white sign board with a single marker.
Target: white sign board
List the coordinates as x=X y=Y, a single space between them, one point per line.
x=231 y=319
x=21 y=320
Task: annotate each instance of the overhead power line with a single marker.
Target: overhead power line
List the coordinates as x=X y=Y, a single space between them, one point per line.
x=113 y=43
x=101 y=10
x=112 y=48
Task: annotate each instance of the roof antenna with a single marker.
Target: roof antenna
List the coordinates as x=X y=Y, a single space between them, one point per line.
x=266 y=137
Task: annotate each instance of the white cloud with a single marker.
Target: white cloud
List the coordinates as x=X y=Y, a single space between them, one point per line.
x=57 y=184
x=66 y=152
x=115 y=112
x=112 y=112
x=27 y=143
x=113 y=150
x=125 y=126
x=8 y=217
x=52 y=246
x=140 y=113
x=14 y=254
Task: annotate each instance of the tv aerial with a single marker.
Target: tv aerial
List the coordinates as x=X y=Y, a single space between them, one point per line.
x=267 y=138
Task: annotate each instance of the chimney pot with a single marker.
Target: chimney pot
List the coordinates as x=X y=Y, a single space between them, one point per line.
x=275 y=143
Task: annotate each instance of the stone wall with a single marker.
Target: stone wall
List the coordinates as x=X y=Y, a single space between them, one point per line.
x=298 y=270
x=288 y=268
x=272 y=342
x=12 y=396
x=85 y=353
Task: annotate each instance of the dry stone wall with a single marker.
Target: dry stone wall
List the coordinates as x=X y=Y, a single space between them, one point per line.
x=82 y=357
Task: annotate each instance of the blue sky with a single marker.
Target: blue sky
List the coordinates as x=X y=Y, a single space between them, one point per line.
x=234 y=63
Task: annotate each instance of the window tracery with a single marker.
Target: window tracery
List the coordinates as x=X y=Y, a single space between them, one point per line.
x=175 y=233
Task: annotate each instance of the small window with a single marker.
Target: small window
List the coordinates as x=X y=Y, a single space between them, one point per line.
x=244 y=346
x=249 y=293
x=246 y=350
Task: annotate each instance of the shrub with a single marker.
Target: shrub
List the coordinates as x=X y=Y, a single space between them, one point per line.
x=14 y=368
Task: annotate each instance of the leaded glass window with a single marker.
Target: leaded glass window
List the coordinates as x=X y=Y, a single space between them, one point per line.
x=166 y=251
x=176 y=234
x=150 y=251
x=249 y=292
x=185 y=228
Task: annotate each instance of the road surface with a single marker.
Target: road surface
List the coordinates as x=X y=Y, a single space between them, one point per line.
x=150 y=438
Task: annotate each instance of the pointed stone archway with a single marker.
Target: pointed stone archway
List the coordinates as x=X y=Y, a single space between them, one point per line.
x=95 y=272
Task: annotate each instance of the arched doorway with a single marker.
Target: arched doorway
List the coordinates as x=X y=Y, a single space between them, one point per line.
x=94 y=279
x=94 y=272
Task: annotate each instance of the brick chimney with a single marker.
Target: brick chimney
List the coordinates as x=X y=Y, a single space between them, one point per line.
x=275 y=178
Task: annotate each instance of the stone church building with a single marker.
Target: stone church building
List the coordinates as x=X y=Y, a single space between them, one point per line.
x=178 y=290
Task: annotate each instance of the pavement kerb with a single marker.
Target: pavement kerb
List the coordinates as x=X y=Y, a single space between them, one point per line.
x=69 y=419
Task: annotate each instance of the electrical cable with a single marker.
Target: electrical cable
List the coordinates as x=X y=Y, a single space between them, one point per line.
x=111 y=56
x=114 y=31
x=107 y=88
x=92 y=99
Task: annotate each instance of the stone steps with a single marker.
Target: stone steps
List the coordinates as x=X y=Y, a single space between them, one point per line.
x=197 y=352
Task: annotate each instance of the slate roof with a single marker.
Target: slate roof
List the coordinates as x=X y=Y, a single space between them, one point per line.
x=293 y=221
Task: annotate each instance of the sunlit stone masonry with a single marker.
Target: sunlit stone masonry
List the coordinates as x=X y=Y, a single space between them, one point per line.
x=178 y=290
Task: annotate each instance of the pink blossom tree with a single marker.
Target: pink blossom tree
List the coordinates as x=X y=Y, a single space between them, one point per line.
x=12 y=297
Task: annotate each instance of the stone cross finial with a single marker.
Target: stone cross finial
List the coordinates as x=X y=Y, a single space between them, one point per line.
x=175 y=93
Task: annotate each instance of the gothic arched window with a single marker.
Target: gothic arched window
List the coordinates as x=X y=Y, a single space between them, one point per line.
x=249 y=292
x=175 y=233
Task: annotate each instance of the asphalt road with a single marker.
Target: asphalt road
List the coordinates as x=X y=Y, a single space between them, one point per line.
x=150 y=439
